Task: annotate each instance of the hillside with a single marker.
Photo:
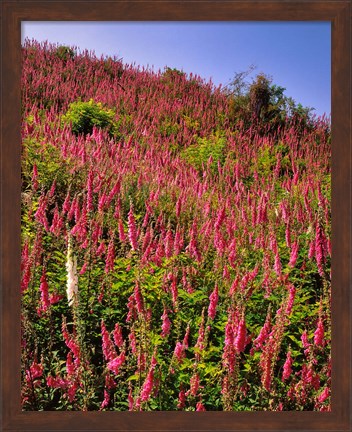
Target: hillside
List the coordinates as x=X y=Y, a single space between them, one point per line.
x=175 y=243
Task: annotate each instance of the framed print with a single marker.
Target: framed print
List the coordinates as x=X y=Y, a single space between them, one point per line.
x=175 y=250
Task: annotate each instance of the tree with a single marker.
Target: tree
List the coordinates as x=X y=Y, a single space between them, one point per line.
x=263 y=102
x=260 y=94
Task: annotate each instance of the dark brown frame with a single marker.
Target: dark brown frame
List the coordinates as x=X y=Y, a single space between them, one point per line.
x=335 y=11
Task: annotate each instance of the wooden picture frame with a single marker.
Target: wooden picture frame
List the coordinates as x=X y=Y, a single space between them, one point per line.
x=15 y=11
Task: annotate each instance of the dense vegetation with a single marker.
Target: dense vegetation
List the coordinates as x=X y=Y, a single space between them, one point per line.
x=175 y=240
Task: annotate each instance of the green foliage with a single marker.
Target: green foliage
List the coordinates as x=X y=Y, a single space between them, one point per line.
x=238 y=108
x=265 y=161
x=65 y=53
x=83 y=116
x=206 y=150
x=263 y=100
x=113 y=67
x=48 y=160
x=192 y=124
x=168 y=128
x=260 y=94
x=172 y=73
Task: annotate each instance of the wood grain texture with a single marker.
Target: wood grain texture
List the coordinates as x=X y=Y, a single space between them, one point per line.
x=196 y=10
x=339 y=13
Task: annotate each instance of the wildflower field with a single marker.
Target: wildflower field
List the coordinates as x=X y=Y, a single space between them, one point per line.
x=175 y=241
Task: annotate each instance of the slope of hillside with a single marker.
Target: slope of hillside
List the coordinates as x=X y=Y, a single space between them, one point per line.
x=175 y=250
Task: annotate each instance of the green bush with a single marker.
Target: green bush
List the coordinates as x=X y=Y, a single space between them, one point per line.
x=199 y=153
x=172 y=73
x=83 y=116
x=65 y=53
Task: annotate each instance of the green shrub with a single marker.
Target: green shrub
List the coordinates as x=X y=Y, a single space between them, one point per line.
x=168 y=128
x=83 y=116
x=172 y=73
x=265 y=162
x=198 y=154
x=65 y=53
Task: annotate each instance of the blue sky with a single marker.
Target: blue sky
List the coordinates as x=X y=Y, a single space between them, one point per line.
x=297 y=55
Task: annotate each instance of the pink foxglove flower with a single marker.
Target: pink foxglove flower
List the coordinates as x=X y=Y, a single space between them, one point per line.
x=185 y=338
x=195 y=384
x=311 y=251
x=102 y=202
x=52 y=190
x=193 y=244
x=109 y=382
x=84 y=268
x=57 y=223
x=178 y=242
x=291 y=299
x=115 y=364
x=71 y=391
x=76 y=209
x=44 y=293
x=35 y=178
x=181 y=399
x=25 y=267
x=66 y=205
x=40 y=214
x=70 y=341
x=166 y=324
x=200 y=341
x=70 y=367
x=117 y=334
x=90 y=191
x=169 y=243
x=131 y=308
x=234 y=286
x=304 y=339
x=200 y=407
x=114 y=191
x=147 y=239
x=101 y=248
x=55 y=298
x=287 y=370
x=214 y=297
x=130 y=400
x=148 y=386
x=106 y=400
x=221 y=215
x=109 y=265
x=263 y=335
x=226 y=273
x=294 y=254
x=122 y=235
x=35 y=371
x=132 y=230
x=240 y=341
x=178 y=206
x=288 y=236
x=108 y=347
x=277 y=264
x=319 y=334
x=229 y=334
x=133 y=342
x=174 y=291
x=179 y=352
x=56 y=382
x=266 y=366
x=320 y=248
x=324 y=395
